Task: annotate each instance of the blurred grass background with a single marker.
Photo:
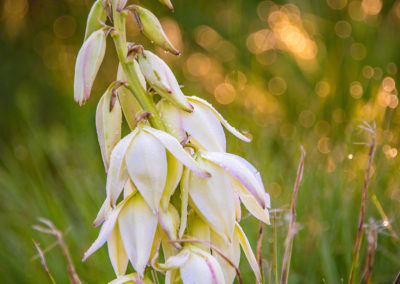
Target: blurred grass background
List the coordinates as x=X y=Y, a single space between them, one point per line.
x=290 y=72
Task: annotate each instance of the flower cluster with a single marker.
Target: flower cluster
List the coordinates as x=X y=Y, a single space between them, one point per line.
x=170 y=182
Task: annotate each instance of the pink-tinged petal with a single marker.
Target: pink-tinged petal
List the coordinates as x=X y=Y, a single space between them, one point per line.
x=175 y=261
x=225 y=123
x=87 y=65
x=201 y=268
x=245 y=173
x=213 y=199
x=106 y=229
x=116 y=251
x=177 y=150
x=146 y=161
x=244 y=242
x=117 y=174
x=137 y=225
x=204 y=127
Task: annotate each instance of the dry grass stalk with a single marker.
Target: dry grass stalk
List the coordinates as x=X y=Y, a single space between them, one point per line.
x=361 y=221
x=292 y=223
x=397 y=279
x=43 y=261
x=259 y=249
x=217 y=250
x=372 y=239
x=52 y=230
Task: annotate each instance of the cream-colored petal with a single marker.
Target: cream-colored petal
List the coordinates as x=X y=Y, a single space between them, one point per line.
x=242 y=170
x=231 y=251
x=244 y=242
x=106 y=229
x=174 y=175
x=116 y=251
x=204 y=127
x=117 y=174
x=225 y=123
x=171 y=117
x=137 y=225
x=198 y=229
x=176 y=149
x=213 y=198
x=184 y=186
x=146 y=161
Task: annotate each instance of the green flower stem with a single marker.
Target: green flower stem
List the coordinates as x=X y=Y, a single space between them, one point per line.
x=119 y=37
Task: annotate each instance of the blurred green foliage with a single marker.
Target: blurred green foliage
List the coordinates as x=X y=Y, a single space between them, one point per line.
x=290 y=72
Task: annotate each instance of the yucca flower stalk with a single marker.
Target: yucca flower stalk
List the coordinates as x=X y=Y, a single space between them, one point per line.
x=170 y=183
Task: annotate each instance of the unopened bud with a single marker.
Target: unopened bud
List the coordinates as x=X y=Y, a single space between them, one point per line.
x=162 y=80
x=87 y=65
x=108 y=123
x=120 y=5
x=97 y=16
x=168 y=4
x=152 y=29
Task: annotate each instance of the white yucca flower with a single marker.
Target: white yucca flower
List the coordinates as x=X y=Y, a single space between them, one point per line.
x=170 y=183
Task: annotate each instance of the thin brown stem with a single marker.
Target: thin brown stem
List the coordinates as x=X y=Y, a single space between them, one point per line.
x=52 y=230
x=397 y=279
x=259 y=249
x=372 y=243
x=217 y=250
x=361 y=221
x=43 y=261
x=292 y=223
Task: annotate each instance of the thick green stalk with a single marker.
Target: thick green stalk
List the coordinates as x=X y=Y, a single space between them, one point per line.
x=119 y=37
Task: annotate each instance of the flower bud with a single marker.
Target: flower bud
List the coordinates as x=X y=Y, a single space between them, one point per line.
x=130 y=105
x=97 y=16
x=87 y=65
x=108 y=124
x=162 y=80
x=150 y=26
x=168 y=4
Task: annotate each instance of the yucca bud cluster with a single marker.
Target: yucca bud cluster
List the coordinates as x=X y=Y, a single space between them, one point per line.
x=171 y=185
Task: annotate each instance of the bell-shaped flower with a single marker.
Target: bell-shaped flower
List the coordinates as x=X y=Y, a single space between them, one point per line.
x=203 y=125
x=196 y=266
x=96 y=18
x=142 y=157
x=87 y=65
x=162 y=80
x=150 y=26
x=212 y=198
x=245 y=180
x=137 y=225
x=108 y=124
